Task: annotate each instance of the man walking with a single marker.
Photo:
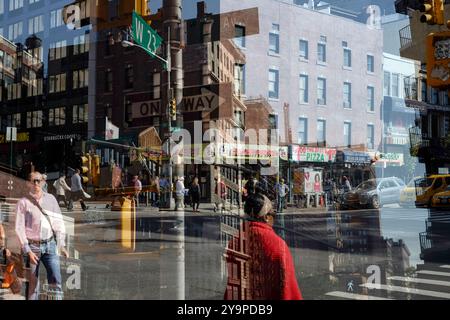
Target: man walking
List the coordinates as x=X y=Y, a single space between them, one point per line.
x=77 y=192
x=41 y=232
x=281 y=188
x=179 y=200
x=61 y=187
x=221 y=195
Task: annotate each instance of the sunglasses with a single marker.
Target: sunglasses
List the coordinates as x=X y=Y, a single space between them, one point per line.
x=34 y=181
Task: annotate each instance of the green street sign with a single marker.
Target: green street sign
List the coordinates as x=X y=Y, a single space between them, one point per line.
x=145 y=36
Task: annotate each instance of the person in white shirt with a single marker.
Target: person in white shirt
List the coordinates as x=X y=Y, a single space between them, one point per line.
x=179 y=194
x=61 y=187
x=41 y=232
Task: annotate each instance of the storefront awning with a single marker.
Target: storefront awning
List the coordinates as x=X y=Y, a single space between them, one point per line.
x=355 y=157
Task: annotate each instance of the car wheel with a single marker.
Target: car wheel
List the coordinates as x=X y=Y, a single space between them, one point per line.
x=375 y=202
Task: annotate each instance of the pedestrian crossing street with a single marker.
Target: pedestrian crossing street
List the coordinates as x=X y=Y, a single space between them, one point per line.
x=426 y=284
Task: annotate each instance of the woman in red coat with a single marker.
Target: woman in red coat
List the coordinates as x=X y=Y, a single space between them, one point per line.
x=271 y=272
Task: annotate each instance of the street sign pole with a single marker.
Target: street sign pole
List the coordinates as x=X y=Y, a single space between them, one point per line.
x=169 y=123
x=11 y=135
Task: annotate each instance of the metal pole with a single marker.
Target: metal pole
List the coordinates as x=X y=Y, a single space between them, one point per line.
x=169 y=123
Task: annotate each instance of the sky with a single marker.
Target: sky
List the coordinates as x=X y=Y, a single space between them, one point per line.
x=189 y=7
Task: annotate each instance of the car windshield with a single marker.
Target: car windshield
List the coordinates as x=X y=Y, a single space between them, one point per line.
x=367 y=185
x=421 y=182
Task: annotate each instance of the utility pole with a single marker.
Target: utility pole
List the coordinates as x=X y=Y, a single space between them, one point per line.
x=172 y=253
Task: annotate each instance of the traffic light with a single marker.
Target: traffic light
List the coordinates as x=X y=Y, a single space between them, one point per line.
x=85 y=163
x=173 y=108
x=433 y=12
x=118 y=13
x=95 y=170
x=438 y=60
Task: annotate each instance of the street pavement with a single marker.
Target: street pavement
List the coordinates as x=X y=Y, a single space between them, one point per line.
x=178 y=255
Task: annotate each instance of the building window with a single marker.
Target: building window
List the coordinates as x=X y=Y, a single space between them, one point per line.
x=14 y=91
x=156 y=85
x=2 y=7
x=15 y=30
x=434 y=96
x=273 y=83
x=16 y=120
x=370 y=136
x=410 y=88
x=57 y=116
x=303 y=86
x=347 y=95
x=322 y=52
x=274 y=39
x=81 y=44
x=321 y=91
x=395 y=84
x=58 y=50
x=370 y=63
x=239 y=36
x=80 y=78
x=239 y=79
x=56 y=18
x=34 y=119
x=302 y=131
x=347 y=57
x=57 y=83
x=108 y=81
x=35 y=87
x=371 y=98
x=347 y=134
x=304 y=49
x=36 y=24
x=15 y=4
x=423 y=90
x=387 y=84
x=321 y=132
x=129 y=76
x=80 y=113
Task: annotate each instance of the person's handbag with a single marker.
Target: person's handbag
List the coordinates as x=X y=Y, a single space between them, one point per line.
x=11 y=280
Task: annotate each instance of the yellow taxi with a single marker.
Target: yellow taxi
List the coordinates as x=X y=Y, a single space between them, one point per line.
x=421 y=190
x=408 y=194
x=441 y=199
x=426 y=188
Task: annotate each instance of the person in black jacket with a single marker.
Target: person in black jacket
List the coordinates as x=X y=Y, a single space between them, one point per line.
x=195 y=194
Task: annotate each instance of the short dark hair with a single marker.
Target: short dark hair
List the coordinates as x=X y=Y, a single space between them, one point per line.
x=253 y=205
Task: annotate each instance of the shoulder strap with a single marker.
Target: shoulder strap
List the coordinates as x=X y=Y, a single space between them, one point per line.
x=33 y=201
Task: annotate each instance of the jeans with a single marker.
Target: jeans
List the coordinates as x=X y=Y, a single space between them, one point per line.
x=280 y=203
x=47 y=254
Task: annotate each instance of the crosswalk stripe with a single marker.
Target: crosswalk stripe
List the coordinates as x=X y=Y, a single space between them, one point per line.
x=445 y=266
x=355 y=296
x=421 y=292
x=434 y=273
x=418 y=280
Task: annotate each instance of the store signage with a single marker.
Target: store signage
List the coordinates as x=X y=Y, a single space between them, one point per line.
x=21 y=137
x=62 y=137
x=284 y=153
x=312 y=154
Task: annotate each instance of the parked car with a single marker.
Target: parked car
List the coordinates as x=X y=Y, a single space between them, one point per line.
x=374 y=193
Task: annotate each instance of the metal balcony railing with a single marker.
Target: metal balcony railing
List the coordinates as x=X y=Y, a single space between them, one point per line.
x=425 y=242
x=405 y=37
